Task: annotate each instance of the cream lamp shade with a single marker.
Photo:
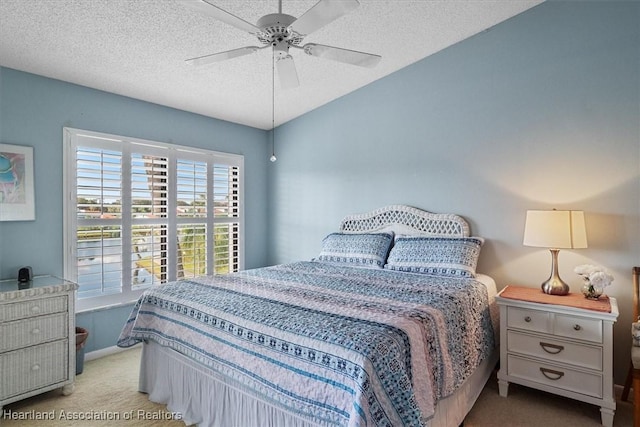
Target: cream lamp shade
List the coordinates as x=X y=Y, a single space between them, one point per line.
x=555 y=230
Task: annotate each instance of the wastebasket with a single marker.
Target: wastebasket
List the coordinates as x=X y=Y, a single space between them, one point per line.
x=81 y=337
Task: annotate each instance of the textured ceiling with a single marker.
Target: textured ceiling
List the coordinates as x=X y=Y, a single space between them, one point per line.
x=138 y=48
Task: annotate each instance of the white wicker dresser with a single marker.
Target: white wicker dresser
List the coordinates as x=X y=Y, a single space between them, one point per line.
x=37 y=337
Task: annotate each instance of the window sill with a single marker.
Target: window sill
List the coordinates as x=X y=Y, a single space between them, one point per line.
x=104 y=307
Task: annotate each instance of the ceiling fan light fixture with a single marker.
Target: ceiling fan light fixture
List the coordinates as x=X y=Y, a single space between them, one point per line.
x=287 y=72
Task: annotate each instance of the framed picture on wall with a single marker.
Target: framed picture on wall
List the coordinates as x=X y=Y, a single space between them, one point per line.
x=16 y=183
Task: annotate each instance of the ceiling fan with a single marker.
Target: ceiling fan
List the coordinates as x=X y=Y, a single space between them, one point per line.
x=282 y=32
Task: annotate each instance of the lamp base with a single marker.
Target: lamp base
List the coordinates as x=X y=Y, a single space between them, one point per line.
x=554 y=285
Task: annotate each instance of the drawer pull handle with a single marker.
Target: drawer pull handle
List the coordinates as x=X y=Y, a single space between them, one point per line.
x=35 y=368
x=556 y=375
x=577 y=327
x=551 y=348
x=527 y=319
x=35 y=331
x=35 y=309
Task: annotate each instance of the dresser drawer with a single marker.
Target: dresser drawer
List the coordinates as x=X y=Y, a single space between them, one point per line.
x=579 y=328
x=552 y=350
x=36 y=330
x=529 y=320
x=38 y=307
x=554 y=376
x=33 y=368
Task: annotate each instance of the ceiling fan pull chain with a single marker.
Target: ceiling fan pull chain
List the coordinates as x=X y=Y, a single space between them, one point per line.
x=273 y=105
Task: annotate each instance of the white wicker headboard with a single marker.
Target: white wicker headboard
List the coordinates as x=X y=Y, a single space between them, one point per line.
x=406 y=220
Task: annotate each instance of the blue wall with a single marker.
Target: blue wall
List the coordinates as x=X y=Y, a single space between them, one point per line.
x=33 y=111
x=541 y=111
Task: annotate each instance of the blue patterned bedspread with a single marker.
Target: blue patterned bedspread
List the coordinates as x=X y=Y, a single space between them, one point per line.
x=339 y=345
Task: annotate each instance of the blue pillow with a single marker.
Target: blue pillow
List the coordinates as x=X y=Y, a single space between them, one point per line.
x=361 y=250
x=443 y=256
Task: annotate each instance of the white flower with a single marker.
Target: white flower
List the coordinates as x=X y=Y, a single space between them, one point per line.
x=587 y=269
x=601 y=279
x=595 y=275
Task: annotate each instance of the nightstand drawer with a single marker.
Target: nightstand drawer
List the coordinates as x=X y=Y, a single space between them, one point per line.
x=579 y=328
x=555 y=351
x=554 y=376
x=36 y=330
x=33 y=367
x=38 y=307
x=529 y=320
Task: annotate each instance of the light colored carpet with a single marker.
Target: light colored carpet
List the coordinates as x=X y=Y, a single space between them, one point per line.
x=108 y=388
x=526 y=407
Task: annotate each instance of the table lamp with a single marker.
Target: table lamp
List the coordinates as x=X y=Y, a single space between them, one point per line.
x=555 y=230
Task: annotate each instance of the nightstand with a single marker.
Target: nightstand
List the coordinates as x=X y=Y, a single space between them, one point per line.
x=37 y=337
x=561 y=346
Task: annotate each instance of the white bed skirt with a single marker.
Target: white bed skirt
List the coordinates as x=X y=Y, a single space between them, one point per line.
x=201 y=397
x=451 y=411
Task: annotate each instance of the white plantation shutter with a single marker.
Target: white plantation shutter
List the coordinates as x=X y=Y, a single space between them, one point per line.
x=227 y=210
x=192 y=189
x=192 y=250
x=149 y=249
x=101 y=245
x=193 y=218
x=225 y=191
x=141 y=213
x=150 y=216
x=149 y=185
x=99 y=174
x=99 y=220
x=226 y=248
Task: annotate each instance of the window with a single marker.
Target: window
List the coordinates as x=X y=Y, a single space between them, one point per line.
x=140 y=213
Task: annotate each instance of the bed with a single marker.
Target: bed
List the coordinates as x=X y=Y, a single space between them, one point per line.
x=390 y=325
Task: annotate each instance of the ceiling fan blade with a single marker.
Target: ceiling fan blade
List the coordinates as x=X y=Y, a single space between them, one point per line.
x=221 y=56
x=220 y=14
x=287 y=72
x=324 y=12
x=353 y=57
